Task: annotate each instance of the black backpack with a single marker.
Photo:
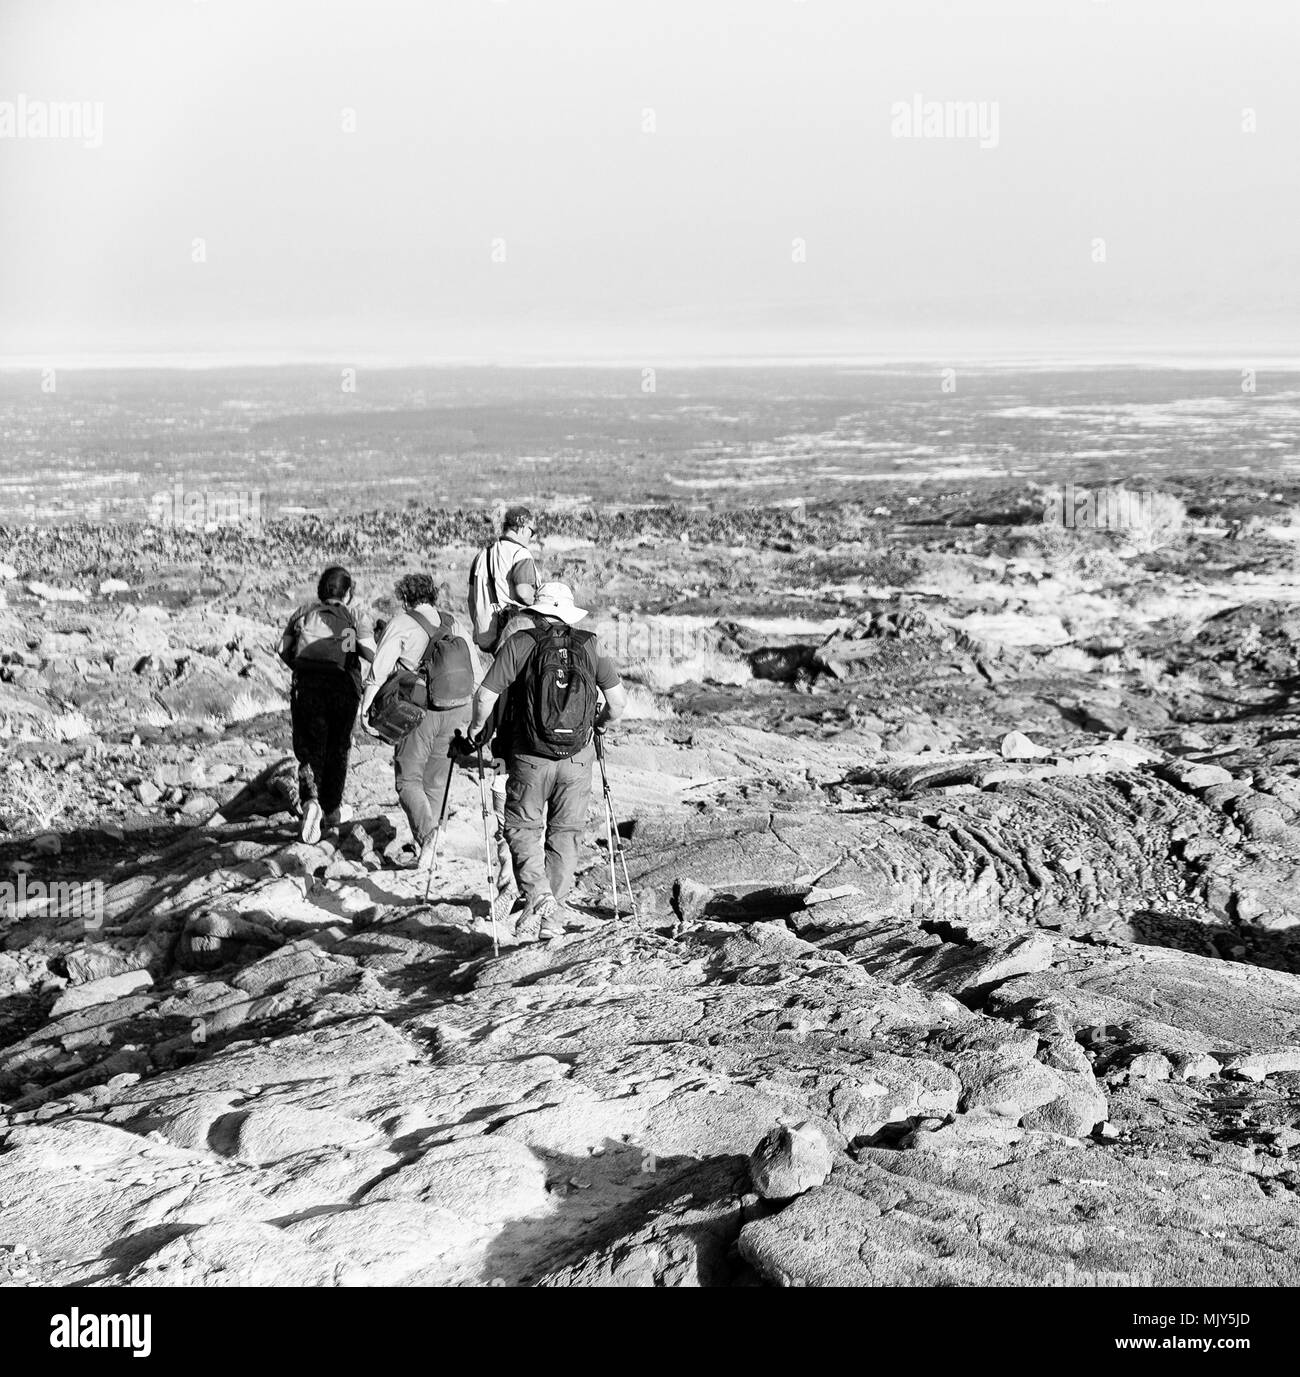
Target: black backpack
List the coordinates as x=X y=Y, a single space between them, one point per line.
x=558 y=691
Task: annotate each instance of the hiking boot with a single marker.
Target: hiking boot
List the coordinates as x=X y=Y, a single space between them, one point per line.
x=504 y=904
x=551 y=928
x=527 y=929
x=336 y=817
x=311 y=820
x=501 y=920
x=550 y=918
x=428 y=854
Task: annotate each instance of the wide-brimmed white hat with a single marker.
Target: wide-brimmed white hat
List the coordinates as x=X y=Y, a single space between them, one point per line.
x=556 y=600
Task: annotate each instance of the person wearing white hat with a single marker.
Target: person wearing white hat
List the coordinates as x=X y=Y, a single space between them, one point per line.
x=562 y=689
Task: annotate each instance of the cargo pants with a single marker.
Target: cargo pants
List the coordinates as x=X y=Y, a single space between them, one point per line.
x=546 y=814
x=423 y=764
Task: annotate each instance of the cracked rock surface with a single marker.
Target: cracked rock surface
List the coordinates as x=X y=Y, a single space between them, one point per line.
x=955 y=962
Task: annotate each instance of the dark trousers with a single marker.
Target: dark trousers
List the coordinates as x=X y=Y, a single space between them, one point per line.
x=423 y=764
x=323 y=709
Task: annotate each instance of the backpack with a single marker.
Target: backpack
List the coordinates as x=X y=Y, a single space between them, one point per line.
x=450 y=668
x=326 y=638
x=448 y=673
x=484 y=611
x=392 y=716
x=559 y=692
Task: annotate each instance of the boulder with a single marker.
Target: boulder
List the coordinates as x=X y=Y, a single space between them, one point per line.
x=101 y=991
x=271 y=1132
x=789 y=1161
x=1017 y=746
x=487 y=1180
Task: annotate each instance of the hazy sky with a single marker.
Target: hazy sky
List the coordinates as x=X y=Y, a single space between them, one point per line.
x=521 y=128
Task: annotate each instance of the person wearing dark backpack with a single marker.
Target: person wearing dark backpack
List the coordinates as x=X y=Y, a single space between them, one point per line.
x=521 y=619
x=325 y=644
x=432 y=657
x=562 y=689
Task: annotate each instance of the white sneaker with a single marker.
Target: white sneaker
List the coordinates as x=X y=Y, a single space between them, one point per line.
x=311 y=819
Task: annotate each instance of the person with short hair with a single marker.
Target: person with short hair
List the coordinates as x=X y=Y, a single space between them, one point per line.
x=503 y=578
x=548 y=790
x=325 y=645
x=521 y=619
x=421 y=760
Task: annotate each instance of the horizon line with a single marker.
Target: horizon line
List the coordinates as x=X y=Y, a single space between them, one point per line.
x=1192 y=359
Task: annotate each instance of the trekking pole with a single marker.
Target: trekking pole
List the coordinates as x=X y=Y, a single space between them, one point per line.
x=437 y=835
x=609 y=844
x=485 y=806
x=616 y=844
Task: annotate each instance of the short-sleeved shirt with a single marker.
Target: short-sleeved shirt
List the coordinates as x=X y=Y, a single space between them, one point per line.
x=510 y=563
x=511 y=658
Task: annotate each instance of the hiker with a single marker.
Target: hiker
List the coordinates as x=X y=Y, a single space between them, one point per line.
x=436 y=666
x=552 y=674
x=324 y=645
x=502 y=578
x=498 y=730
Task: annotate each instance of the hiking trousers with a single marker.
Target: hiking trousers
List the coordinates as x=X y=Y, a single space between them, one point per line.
x=322 y=711
x=423 y=764
x=505 y=862
x=546 y=815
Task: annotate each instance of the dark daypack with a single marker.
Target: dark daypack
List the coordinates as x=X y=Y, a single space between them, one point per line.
x=448 y=672
x=559 y=691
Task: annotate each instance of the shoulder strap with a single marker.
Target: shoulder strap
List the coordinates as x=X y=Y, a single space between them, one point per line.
x=493 y=561
x=426 y=625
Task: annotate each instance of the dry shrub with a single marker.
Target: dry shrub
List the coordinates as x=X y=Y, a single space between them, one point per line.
x=643 y=706
x=37 y=800
x=248 y=705
x=1159 y=519
x=1069 y=659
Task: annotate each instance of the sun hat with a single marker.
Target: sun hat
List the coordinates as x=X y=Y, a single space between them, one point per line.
x=556 y=600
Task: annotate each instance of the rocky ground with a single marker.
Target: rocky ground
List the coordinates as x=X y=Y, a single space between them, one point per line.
x=965 y=854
